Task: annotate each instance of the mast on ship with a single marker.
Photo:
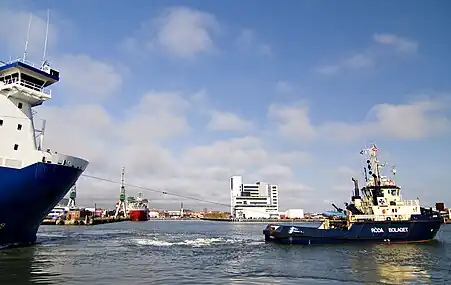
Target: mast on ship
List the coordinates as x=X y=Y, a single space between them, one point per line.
x=379 y=190
x=22 y=87
x=121 y=203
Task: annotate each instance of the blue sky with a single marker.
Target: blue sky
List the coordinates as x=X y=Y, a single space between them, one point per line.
x=186 y=94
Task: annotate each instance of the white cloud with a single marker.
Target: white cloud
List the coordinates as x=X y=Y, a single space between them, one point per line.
x=158 y=116
x=328 y=69
x=181 y=32
x=292 y=120
x=87 y=77
x=401 y=44
x=370 y=56
x=294 y=158
x=353 y=62
x=358 y=61
x=185 y=32
x=284 y=87
x=416 y=120
x=412 y=121
x=236 y=153
x=248 y=41
x=227 y=121
x=246 y=38
x=275 y=172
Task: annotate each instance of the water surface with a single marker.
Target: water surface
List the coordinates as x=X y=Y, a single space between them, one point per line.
x=202 y=252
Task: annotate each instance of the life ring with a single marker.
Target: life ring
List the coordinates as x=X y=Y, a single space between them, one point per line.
x=383 y=211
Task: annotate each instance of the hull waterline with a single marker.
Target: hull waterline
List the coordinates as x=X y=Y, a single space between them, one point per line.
x=138 y=215
x=379 y=232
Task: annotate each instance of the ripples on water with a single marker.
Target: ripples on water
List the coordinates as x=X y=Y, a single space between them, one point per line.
x=196 y=252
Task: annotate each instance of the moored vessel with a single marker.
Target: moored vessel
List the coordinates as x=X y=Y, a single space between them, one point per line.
x=379 y=215
x=32 y=178
x=138 y=209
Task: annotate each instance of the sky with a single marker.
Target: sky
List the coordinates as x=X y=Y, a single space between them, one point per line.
x=185 y=94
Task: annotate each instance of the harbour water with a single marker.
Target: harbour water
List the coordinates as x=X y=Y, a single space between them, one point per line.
x=203 y=252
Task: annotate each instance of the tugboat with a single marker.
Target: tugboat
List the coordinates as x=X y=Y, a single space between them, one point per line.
x=381 y=215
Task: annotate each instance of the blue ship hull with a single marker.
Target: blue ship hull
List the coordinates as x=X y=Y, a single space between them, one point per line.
x=27 y=195
x=415 y=230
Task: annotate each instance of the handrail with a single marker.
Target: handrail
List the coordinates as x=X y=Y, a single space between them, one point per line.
x=23 y=61
x=27 y=84
x=410 y=203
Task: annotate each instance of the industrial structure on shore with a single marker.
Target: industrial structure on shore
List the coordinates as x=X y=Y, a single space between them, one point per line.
x=257 y=201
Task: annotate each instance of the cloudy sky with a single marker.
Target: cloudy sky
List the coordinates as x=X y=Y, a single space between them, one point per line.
x=185 y=94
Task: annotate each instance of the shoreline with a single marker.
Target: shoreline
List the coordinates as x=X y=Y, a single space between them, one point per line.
x=241 y=221
x=264 y=220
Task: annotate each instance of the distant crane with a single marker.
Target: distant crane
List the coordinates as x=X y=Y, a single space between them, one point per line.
x=72 y=197
x=121 y=204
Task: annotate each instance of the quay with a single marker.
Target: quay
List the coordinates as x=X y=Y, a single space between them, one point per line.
x=263 y=220
x=84 y=222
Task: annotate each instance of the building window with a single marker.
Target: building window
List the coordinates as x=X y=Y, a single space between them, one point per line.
x=1 y=122
x=16 y=147
x=19 y=127
x=19 y=105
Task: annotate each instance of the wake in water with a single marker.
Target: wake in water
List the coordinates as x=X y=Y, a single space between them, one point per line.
x=196 y=242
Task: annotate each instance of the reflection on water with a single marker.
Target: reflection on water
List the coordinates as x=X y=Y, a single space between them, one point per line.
x=23 y=266
x=399 y=263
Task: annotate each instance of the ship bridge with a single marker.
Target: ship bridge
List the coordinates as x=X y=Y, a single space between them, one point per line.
x=26 y=82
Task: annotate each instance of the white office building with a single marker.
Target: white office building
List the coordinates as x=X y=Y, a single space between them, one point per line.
x=253 y=201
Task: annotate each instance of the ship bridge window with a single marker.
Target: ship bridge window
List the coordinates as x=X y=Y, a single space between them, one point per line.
x=1 y=123
x=32 y=82
x=16 y=147
x=8 y=79
x=19 y=127
x=19 y=105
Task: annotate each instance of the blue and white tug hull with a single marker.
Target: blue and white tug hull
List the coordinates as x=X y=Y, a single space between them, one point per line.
x=27 y=195
x=415 y=230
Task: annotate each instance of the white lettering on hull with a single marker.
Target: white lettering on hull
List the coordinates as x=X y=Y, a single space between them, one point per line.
x=390 y=230
x=294 y=230
x=398 y=230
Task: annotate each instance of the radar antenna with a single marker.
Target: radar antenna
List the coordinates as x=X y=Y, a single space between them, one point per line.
x=28 y=37
x=393 y=170
x=46 y=38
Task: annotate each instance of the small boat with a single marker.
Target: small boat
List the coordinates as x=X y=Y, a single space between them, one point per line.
x=381 y=215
